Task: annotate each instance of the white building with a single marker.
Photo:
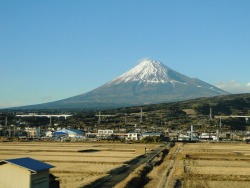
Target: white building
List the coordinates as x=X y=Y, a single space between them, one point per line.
x=183 y=137
x=133 y=136
x=33 y=131
x=105 y=133
x=49 y=134
x=205 y=136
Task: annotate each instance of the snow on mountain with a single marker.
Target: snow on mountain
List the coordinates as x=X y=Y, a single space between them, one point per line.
x=147 y=71
x=150 y=73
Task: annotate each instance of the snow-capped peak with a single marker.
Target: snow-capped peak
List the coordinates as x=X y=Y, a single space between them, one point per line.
x=147 y=71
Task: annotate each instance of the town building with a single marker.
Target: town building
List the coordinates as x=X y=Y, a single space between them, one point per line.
x=70 y=133
x=183 y=137
x=105 y=132
x=33 y=131
x=133 y=136
x=146 y=134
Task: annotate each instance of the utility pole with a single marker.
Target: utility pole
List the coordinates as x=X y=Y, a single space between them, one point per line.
x=6 y=125
x=38 y=132
x=50 y=122
x=217 y=134
x=161 y=119
x=191 y=132
x=141 y=116
x=14 y=130
x=99 y=118
x=28 y=132
x=220 y=123
x=125 y=120
x=211 y=114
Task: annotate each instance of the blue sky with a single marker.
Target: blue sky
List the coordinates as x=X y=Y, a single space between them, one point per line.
x=51 y=50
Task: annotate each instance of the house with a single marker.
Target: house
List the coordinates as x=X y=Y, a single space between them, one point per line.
x=133 y=136
x=24 y=173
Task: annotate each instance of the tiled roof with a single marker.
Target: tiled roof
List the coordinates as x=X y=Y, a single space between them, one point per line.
x=30 y=164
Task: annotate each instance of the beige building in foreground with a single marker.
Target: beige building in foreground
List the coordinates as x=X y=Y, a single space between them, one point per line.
x=24 y=173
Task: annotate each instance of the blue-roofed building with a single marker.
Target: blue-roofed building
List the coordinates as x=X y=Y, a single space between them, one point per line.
x=24 y=173
x=71 y=133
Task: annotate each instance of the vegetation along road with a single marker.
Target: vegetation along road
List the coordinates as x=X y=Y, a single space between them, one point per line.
x=118 y=177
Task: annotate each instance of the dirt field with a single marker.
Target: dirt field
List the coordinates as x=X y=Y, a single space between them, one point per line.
x=190 y=165
x=76 y=164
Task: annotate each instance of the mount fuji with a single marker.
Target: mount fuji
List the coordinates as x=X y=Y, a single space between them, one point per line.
x=149 y=82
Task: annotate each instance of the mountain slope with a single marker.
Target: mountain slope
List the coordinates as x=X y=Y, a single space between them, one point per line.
x=148 y=82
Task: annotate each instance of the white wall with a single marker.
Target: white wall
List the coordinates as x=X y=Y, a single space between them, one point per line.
x=12 y=176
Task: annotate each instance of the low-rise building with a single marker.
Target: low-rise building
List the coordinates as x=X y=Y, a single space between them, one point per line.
x=133 y=136
x=71 y=133
x=24 y=173
x=146 y=134
x=33 y=131
x=205 y=136
x=183 y=137
x=105 y=132
x=49 y=134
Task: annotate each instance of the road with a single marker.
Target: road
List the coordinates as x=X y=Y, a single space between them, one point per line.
x=166 y=179
x=116 y=178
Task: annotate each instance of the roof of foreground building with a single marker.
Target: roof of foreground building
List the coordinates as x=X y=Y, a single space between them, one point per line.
x=29 y=163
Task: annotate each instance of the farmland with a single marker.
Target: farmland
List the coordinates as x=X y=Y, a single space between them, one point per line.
x=204 y=165
x=186 y=165
x=76 y=164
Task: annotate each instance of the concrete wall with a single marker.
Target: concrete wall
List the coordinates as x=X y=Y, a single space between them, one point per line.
x=12 y=176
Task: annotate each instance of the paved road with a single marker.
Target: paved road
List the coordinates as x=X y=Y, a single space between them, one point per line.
x=116 y=178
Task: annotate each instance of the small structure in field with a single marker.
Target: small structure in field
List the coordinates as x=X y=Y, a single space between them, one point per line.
x=24 y=173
